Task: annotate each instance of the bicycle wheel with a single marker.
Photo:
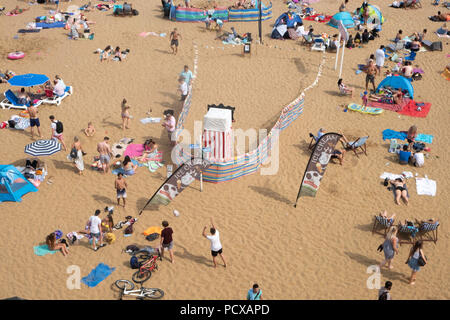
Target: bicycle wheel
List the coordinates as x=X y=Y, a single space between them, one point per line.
x=154 y=294
x=125 y=284
x=141 y=277
x=144 y=256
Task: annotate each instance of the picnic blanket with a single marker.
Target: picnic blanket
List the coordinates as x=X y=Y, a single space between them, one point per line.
x=426 y=186
x=411 y=109
x=327 y=18
x=153 y=165
x=42 y=250
x=50 y=25
x=402 y=135
x=150 y=120
x=97 y=275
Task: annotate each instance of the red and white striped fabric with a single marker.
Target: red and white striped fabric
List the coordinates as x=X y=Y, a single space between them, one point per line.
x=220 y=143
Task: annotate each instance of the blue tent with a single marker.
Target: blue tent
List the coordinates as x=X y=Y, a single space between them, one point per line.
x=397 y=82
x=13 y=185
x=343 y=16
x=289 y=19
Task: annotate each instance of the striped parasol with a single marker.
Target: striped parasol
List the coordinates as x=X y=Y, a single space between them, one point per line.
x=42 y=148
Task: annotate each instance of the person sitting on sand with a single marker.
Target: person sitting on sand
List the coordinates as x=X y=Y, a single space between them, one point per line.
x=90 y=130
x=399 y=36
x=398 y=97
x=17 y=11
x=415 y=46
x=400 y=190
x=338 y=154
x=404 y=156
x=418 y=159
x=53 y=245
x=411 y=136
x=105 y=54
x=128 y=167
x=150 y=147
x=343 y=88
x=23 y=97
x=108 y=221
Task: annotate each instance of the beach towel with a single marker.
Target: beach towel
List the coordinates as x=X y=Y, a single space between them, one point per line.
x=151 y=230
x=150 y=120
x=153 y=165
x=326 y=19
x=388 y=106
x=392 y=134
x=50 y=25
x=42 y=250
x=426 y=138
x=426 y=186
x=233 y=42
x=390 y=176
x=411 y=109
x=97 y=275
x=28 y=30
x=134 y=150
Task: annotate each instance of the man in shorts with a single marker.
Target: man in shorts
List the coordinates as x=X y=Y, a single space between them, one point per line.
x=95 y=227
x=166 y=240
x=121 y=188
x=104 y=150
x=34 y=119
x=55 y=134
x=174 y=35
x=371 y=72
x=183 y=88
x=216 y=246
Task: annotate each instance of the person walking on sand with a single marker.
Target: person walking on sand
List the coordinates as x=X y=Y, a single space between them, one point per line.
x=371 y=72
x=186 y=74
x=104 y=150
x=174 y=41
x=95 y=227
x=166 y=240
x=216 y=246
x=255 y=293
x=57 y=131
x=121 y=188
x=125 y=114
x=390 y=247
x=34 y=120
x=415 y=255
x=384 y=293
x=169 y=124
x=78 y=160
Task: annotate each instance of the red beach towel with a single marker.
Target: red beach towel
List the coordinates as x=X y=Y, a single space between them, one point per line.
x=411 y=109
x=311 y=18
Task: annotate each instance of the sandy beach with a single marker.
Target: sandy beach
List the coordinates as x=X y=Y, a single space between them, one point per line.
x=319 y=250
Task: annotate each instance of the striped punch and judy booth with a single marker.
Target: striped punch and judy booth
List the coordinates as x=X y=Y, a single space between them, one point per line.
x=218 y=135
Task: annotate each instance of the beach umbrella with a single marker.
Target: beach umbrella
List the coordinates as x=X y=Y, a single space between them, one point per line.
x=28 y=80
x=42 y=148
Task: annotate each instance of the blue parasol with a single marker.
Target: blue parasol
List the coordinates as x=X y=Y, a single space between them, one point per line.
x=28 y=80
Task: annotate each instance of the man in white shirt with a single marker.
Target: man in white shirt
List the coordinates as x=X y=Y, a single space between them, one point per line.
x=379 y=58
x=95 y=229
x=216 y=246
x=418 y=159
x=183 y=89
x=59 y=88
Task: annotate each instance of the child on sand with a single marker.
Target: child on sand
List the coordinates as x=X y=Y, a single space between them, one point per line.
x=364 y=99
x=90 y=130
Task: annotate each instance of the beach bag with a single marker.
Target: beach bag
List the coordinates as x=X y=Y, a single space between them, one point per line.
x=421 y=262
x=152 y=236
x=74 y=153
x=110 y=238
x=436 y=46
x=134 y=262
x=59 y=127
x=129 y=229
x=131 y=248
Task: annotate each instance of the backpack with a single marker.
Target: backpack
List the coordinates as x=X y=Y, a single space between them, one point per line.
x=383 y=296
x=131 y=248
x=152 y=236
x=134 y=262
x=59 y=127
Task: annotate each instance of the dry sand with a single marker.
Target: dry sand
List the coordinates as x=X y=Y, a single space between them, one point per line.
x=320 y=250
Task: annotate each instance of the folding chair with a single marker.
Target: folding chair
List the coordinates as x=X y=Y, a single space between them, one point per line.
x=313 y=141
x=409 y=231
x=428 y=231
x=358 y=143
x=319 y=45
x=384 y=223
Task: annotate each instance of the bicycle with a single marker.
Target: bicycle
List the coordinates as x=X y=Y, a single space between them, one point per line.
x=145 y=269
x=127 y=287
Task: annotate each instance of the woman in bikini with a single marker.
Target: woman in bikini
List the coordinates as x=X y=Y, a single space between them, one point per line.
x=128 y=166
x=125 y=114
x=400 y=190
x=150 y=147
x=51 y=242
x=107 y=222
x=105 y=54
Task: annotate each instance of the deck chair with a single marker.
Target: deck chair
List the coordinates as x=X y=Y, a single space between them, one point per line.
x=409 y=232
x=57 y=99
x=411 y=57
x=382 y=222
x=313 y=141
x=11 y=101
x=319 y=45
x=428 y=231
x=394 y=47
x=436 y=2
x=359 y=143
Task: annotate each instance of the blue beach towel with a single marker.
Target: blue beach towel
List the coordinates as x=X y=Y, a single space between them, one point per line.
x=42 y=250
x=97 y=275
x=392 y=134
